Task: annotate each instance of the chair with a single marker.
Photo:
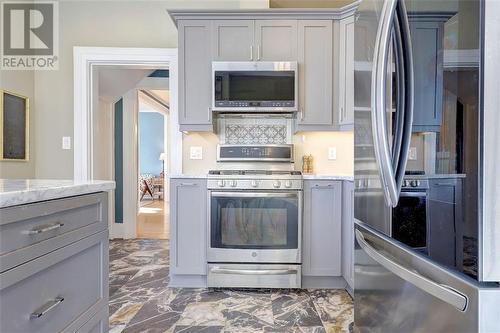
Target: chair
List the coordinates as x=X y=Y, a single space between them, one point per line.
x=146 y=186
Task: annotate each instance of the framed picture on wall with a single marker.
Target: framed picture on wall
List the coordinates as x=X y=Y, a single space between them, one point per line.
x=14 y=127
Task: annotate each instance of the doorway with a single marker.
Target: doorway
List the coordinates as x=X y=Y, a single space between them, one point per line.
x=91 y=155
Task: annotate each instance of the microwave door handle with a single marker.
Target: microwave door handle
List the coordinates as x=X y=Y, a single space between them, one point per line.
x=443 y=292
x=407 y=87
x=382 y=148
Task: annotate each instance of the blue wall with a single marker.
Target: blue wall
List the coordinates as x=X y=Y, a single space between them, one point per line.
x=151 y=142
x=119 y=161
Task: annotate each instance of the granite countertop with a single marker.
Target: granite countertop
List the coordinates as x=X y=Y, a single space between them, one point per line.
x=15 y=192
x=437 y=175
x=328 y=177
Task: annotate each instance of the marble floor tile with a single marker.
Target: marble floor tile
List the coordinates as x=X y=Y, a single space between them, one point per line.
x=141 y=301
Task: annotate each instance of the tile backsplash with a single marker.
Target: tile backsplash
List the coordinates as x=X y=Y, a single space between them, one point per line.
x=255 y=134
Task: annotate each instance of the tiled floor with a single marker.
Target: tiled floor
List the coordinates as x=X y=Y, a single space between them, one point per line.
x=141 y=301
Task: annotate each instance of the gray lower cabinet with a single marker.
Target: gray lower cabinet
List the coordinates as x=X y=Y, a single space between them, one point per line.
x=445 y=221
x=188 y=212
x=195 y=75
x=54 y=265
x=348 y=232
x=322 y=238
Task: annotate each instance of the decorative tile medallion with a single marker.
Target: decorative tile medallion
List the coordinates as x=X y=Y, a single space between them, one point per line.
x=256 y=134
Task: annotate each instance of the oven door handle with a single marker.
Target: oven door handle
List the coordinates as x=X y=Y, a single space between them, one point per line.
x=218 y=270
x=255 y=194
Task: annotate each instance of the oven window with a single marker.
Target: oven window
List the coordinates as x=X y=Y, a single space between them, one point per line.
x=254 y=222
x=409 y=220
x=255 y=86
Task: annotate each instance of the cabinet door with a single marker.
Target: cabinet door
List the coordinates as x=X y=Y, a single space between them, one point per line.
x=346 y=74
x=188 y=223
x=427 y=41
x=348 y=232
x=195 y=75
x=233 y=40
x=276 y=40
x=315 y=44
x=322 y=228
x=445 y=223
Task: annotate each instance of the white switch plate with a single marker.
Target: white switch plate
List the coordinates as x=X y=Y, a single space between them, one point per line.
x=196 y=153
x=66 y=142
x=332 y=153
x=412 y=155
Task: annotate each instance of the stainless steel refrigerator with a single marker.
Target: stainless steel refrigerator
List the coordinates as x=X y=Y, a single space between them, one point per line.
x=427 y=166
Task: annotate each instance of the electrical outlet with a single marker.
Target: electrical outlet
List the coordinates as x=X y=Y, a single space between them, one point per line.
x=66 y=142
x=412 y=155
x=332 y=153
x=196 y=153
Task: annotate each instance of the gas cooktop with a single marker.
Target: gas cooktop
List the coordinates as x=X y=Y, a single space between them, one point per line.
x=253 y=173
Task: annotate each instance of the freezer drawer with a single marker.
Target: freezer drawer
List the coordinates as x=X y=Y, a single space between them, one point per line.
x=398 y=290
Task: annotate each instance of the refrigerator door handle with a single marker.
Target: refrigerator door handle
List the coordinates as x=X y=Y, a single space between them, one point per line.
x=406 y=86
x=382 y=148
x=443 y=292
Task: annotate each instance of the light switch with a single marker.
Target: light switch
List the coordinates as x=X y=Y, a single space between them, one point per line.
x=412 y=155
x=66 y=142
x=332 y=153
x=196 y=153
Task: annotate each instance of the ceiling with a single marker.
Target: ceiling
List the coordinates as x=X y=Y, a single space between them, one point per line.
x=115 y=82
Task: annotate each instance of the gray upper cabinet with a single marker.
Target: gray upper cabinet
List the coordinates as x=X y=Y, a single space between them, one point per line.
x=189 y=225
x=427 y=33
x=233 y=40
x=315 y=45
x=345 y=71
x=276 y=40
x=195 y=73
x=322 y=228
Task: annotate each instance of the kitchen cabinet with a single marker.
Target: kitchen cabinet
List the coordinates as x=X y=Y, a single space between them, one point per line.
x=427 y=33
x=233 y=40
x=195 y=75
x=445 y=221
x=254 y=40
x=188 y=216
x=348 y=233
x=276 y=40
x=345 y=71
x=55 y=253
x=322 y=244
x=315 y=44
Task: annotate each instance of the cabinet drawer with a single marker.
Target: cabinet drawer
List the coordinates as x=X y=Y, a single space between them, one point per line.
x=29 y=231
x=98 y=324
x=75 y=274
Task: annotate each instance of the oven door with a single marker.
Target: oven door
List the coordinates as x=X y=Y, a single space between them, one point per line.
x=409 y=220
x=255 y=227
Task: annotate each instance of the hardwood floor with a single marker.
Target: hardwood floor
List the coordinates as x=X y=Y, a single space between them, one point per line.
x=153 y=220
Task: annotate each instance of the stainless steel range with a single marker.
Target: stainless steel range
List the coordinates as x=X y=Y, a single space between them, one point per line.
x=255 y=219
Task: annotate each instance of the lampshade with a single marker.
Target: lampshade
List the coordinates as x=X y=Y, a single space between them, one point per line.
x=163 y=157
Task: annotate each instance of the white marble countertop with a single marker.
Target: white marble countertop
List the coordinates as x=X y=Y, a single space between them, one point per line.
x=181 y=176
x=328 y=177
x=15 y=192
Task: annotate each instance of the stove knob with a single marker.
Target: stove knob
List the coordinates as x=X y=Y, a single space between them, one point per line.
x=233 y=183
x=414 y=183
x=404 y=183
x=288 y=184
x=418 y=183
x=221 y=183
x=253 y=183
x=277 y=184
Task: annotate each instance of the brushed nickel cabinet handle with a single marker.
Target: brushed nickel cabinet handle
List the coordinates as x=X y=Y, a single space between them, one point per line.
x=188 y=184
x=251 y=52
x=258 y=52
x=47 y=307
x=45 y=228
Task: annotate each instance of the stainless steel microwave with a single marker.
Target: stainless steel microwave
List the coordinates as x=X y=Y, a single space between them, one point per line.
x=259 y=86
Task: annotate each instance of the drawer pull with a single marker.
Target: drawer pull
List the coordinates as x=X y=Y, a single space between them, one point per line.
x=45 y=228
x=50 y=305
